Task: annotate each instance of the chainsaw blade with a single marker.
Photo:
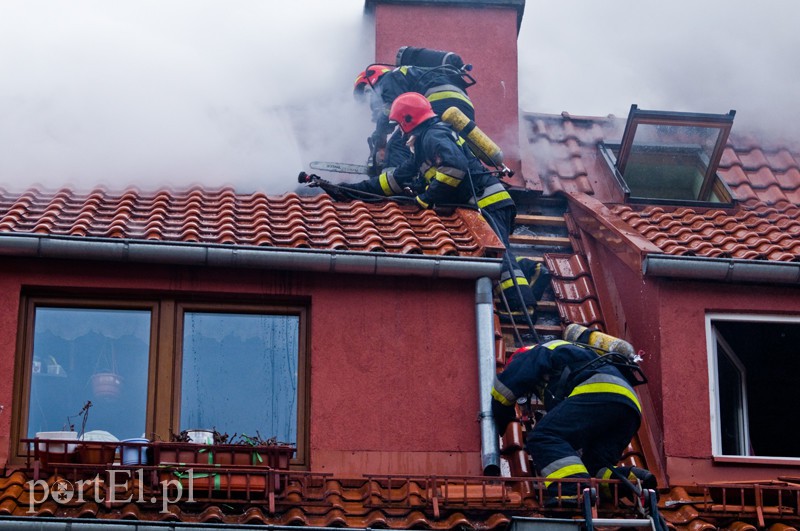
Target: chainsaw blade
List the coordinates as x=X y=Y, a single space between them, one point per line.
x=339 y=167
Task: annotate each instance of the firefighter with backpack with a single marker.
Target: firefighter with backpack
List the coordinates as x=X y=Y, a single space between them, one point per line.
x=592 y=413
x=439 y=76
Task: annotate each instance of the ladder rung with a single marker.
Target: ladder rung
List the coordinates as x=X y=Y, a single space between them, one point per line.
x=553 y=241
x=547 y=221
x=622 y=522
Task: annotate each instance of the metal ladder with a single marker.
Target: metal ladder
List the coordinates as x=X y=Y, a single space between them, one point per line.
x=646 y=507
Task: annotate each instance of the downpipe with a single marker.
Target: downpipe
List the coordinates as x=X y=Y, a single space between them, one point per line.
x=484 y=320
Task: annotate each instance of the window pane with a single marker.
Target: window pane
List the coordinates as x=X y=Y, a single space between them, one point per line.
x=239 y=374
x=82 y=355
x=758 y=393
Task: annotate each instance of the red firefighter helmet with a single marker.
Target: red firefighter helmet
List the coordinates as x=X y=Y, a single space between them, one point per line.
x=518 y=351
x=409 y=110
x=369 y=77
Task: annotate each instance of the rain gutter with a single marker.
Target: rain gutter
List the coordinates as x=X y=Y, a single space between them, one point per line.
x=484 y=320
x=247 y=257
x=721 y=269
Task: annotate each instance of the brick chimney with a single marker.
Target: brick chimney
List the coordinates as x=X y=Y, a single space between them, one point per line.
x=483 y=33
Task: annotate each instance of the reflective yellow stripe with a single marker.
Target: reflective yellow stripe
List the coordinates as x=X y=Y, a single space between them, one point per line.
x=429 y=174
x=510 y=282
x=570 y=470
x=605 y=488
x=556 y=343
x=436 y=96
x=447 y=179
x=494 y=198
x=500 y=398
x=404 y=70
x=422 y=203
x=606 y=388
x=384 y=182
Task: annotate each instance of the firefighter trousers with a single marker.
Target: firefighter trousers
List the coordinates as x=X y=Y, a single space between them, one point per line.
x=578 y=437
x=502 y=221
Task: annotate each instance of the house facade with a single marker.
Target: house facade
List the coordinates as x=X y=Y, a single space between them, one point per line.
x=361 y=335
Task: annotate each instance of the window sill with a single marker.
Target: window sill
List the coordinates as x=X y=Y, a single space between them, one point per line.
x=755 y=460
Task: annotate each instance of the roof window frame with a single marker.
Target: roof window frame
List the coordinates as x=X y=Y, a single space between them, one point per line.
x=637 y=117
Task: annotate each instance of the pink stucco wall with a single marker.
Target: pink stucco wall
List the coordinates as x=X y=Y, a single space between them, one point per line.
x=393 y=363
x=486 y=37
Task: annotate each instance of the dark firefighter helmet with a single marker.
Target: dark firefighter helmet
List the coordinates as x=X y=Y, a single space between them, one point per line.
x=409 y=110
x=368 y=77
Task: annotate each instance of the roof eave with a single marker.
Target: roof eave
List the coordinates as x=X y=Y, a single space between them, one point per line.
x=247 y=257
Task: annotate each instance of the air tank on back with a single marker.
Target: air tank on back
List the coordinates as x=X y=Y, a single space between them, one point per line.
x=426 y=57
x=480 y=144
x=603 y=342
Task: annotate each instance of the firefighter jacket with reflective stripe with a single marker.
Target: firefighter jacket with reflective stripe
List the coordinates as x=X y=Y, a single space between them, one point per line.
x=442 y=86
x=447 y=165
x=538 y=370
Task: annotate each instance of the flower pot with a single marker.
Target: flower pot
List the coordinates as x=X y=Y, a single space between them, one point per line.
x=200 y=436
x=96 y=453
x=134 y=451
x=106 y=385
x=52 y=448
x=273 y=456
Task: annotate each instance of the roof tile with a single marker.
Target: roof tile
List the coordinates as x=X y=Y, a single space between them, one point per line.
x=223 y=217
x=565 y=149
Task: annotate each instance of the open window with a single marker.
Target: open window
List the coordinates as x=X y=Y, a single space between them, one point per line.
x=671 y=157
x=160 y=366
x=753 y=367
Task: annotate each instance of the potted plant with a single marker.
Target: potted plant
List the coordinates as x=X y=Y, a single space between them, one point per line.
x=230 y=463
x=242 y=450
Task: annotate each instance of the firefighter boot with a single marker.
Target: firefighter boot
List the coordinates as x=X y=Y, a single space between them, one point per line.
x=638 y=477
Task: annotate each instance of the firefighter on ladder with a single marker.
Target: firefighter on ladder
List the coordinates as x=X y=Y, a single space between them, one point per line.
x=592 y=413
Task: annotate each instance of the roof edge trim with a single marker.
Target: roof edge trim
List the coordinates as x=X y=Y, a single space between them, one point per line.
x=721 y=269
x=247 y=257
x=518 y=5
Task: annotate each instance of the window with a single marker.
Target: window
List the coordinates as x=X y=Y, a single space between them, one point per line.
x=670 y=157
x=753 y=367
x=159 y=367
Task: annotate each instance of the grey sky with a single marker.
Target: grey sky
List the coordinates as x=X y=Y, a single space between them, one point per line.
x=173 y=92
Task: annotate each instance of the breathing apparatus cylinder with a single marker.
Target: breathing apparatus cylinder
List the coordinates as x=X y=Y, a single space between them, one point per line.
x=480 y=144
x=599 y=340
x=426 y=57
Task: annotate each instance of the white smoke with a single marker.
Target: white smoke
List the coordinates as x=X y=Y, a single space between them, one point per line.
x=711 y=56
x=154 y=93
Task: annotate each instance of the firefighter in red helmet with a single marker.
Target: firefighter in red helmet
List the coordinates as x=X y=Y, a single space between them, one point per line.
x=592 y=413
x=452 y=175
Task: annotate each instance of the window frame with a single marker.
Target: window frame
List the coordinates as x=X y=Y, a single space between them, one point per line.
x=165 y=356
x=744 y=418
x=711 y=183
x=712 y=337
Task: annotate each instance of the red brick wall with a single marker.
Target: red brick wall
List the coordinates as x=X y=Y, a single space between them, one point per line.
x=486 y=37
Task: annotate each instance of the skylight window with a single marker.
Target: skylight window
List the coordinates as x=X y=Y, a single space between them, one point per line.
x=671 y=157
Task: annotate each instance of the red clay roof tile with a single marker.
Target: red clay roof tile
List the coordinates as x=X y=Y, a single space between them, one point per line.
x=224 y=217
